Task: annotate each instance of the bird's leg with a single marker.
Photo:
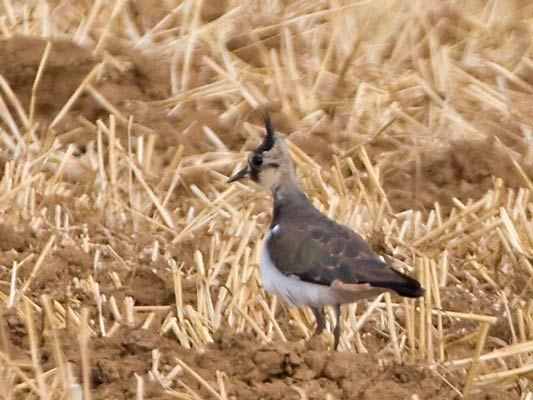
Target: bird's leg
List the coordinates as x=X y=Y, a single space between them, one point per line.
x=337 y=329
x=320 y=320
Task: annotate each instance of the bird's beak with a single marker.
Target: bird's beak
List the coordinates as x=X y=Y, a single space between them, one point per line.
x=239 y=175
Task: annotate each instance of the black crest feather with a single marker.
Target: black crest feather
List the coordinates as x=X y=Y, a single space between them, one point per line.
x=270 y=137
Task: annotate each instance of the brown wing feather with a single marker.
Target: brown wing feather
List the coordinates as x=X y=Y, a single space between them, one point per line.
x=321 y=251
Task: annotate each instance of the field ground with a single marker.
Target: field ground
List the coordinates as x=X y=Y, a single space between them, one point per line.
x=128 y=266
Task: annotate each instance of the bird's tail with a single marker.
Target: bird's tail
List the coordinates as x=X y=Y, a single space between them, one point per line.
x=406 y=286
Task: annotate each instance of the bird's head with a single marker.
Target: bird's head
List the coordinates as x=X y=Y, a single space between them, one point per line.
x=270 y=164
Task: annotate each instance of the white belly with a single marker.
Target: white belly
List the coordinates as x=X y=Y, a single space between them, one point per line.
x=291 y=289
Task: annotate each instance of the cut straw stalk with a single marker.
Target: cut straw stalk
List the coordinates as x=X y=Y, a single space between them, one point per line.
x=450 y=222
x=495 y=376
x=483 y=330
x=52 y=326
x=252 y=323
x=12 y=366
x=35 y=353
x=105 y=32
x=37 y=80
x=72 y=99
x=113 y=173
x=243 y=89
x=140 y=387
x=35 y=269
x=191 y=39
x=392 y=328
x=12 y=286
x=164 y=23
x=507 y=351
x=8 y=119
x=272 y=319
x=410 y=327
x=430 y=286
x=162 y=211
x=200 y=380
x=14 y=101
x=84 y=353
x=106 y=104
x=81 y=34
x=468 y=316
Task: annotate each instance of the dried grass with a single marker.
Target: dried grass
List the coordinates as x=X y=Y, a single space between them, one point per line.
x=408 y=75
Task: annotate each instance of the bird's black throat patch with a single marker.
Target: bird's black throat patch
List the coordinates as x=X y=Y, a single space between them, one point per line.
x=254 y=172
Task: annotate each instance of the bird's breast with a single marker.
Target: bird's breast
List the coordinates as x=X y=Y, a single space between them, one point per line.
x=291 y=289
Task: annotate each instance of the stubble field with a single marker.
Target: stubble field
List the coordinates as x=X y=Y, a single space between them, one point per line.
x=128 y=266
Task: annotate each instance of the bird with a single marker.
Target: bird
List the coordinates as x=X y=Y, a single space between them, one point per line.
x=307 y=259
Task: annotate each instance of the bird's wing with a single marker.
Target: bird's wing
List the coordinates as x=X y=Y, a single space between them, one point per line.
x=321 y=251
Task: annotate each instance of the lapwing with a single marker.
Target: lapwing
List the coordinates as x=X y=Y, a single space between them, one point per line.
x=308 y=259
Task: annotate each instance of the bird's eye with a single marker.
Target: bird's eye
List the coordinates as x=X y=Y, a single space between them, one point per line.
x=257 y=160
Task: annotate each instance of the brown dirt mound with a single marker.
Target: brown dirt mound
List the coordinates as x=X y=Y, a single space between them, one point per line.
x=274 y=371
x=464 y=169
x=460 y=167
x=140 y=81
x=278 y=370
